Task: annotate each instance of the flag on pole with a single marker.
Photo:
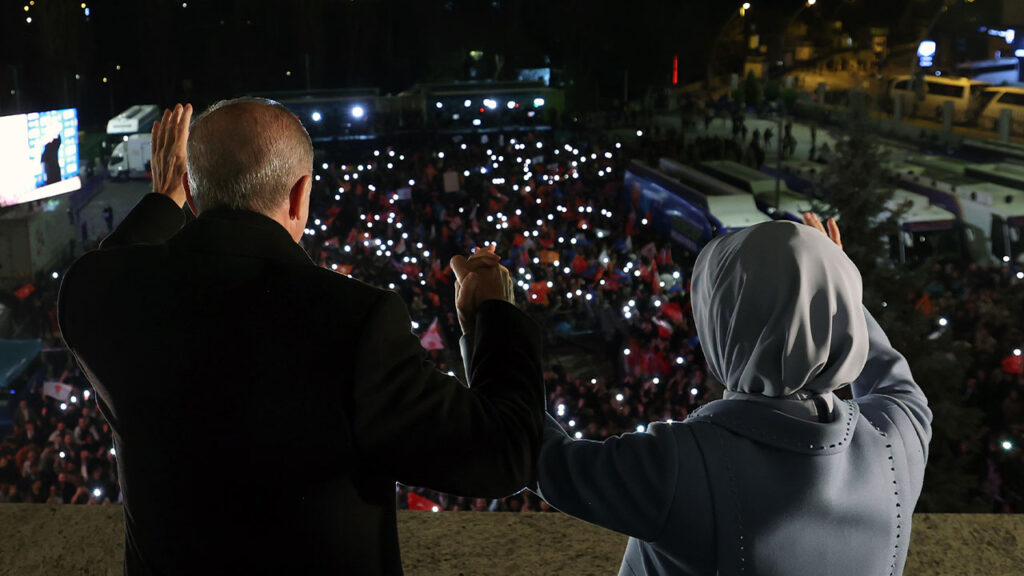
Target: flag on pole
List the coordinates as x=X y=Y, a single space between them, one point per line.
x=431 y=339
x=417 y=502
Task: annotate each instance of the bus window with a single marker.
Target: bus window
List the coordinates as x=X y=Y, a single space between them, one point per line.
x=999 y=243
x=1016 y=244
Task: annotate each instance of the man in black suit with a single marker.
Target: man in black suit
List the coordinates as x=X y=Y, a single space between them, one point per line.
x=263 y=407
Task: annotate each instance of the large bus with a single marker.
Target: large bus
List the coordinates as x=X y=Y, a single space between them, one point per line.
x=689 y=216
x=791 y=204
x=998 y=71
x=1004 y=173
x=927 y=229
x=136 y=120
x=992 y=214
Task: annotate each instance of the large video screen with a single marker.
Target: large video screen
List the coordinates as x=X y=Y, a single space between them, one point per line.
x=38 y=156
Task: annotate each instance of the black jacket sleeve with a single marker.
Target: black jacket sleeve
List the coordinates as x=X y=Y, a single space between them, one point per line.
x=426 y=428
x=153 y=220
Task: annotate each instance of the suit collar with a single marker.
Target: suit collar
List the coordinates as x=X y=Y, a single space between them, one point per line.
x=240 y=232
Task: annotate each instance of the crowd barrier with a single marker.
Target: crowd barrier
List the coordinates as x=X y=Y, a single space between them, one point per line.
x=38 y=539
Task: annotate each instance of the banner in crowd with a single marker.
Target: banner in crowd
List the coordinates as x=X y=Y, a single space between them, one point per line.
x=431 y=339
x=673 y=311
x=57 y=390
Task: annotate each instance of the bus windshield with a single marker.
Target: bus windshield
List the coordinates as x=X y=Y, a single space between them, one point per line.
x=920 y=246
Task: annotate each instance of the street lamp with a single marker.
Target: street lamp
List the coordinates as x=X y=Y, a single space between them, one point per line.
x=741 y=13
x=789 y=24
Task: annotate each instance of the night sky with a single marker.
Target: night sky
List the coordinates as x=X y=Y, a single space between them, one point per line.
x=204 y=50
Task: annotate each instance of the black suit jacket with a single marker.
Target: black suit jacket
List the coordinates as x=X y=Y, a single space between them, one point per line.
x=263 y=407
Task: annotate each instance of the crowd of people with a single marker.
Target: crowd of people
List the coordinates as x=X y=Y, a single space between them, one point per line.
x=612 y=295
x=587 y=264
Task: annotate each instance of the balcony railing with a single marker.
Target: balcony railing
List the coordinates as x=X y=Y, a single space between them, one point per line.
x=43 y=539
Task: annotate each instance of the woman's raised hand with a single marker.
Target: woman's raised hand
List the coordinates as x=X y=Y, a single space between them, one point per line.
x=812 y=220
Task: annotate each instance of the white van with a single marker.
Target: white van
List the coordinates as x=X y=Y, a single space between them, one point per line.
x=994 y=100
x=927 y=101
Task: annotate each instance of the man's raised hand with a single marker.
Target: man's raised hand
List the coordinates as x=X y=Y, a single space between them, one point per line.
x=170 y=136
x=480 y=277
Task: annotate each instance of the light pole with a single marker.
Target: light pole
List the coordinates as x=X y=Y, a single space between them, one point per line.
x=924 y=36
x=741 y=13
x=782 y=106
x=792 y=20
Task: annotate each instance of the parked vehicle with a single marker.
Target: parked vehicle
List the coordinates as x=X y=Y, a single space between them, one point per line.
x=994 y=100
x=791 y=204
x=925 y=97
x=131 y=157
x=992 y=213
x=998 y=71
x=690 y=215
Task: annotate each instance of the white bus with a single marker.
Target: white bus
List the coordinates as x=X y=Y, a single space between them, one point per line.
x=135 y=120
x=997 y=72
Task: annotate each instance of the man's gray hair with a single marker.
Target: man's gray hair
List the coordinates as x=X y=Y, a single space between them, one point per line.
x=246 y=153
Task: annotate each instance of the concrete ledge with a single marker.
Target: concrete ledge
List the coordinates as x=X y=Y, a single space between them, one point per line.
x=86 y=540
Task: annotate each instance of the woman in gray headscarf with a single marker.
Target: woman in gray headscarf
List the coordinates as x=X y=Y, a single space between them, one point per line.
x=780 y=476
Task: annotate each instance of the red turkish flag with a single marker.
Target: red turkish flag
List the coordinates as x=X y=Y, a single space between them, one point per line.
x=673 y=311
x=417 y=502
x=548 y=256
x=664 y=328
x=538 y=293
x=431 y=339
x=579 y=264
x=25 y=291
x=1013 y=364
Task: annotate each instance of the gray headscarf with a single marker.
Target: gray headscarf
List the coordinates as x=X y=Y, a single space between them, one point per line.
x=778 y=310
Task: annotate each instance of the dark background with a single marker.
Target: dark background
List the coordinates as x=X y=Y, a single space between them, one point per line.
x=211 y=49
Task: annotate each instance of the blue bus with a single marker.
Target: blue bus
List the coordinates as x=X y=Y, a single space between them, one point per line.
x=689 y=216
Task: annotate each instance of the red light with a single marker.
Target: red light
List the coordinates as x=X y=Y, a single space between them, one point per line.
x=675 y=70
x=481 y=110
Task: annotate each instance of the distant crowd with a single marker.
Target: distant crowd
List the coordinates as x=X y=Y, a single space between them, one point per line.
x=622 y=350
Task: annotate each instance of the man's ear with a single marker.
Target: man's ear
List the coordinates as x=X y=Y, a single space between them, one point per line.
x=188 y=194
x=298 y=197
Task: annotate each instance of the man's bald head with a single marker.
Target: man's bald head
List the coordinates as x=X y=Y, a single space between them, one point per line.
x=246 y=153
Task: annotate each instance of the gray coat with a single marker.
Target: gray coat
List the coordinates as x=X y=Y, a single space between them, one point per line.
x=740 y=488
